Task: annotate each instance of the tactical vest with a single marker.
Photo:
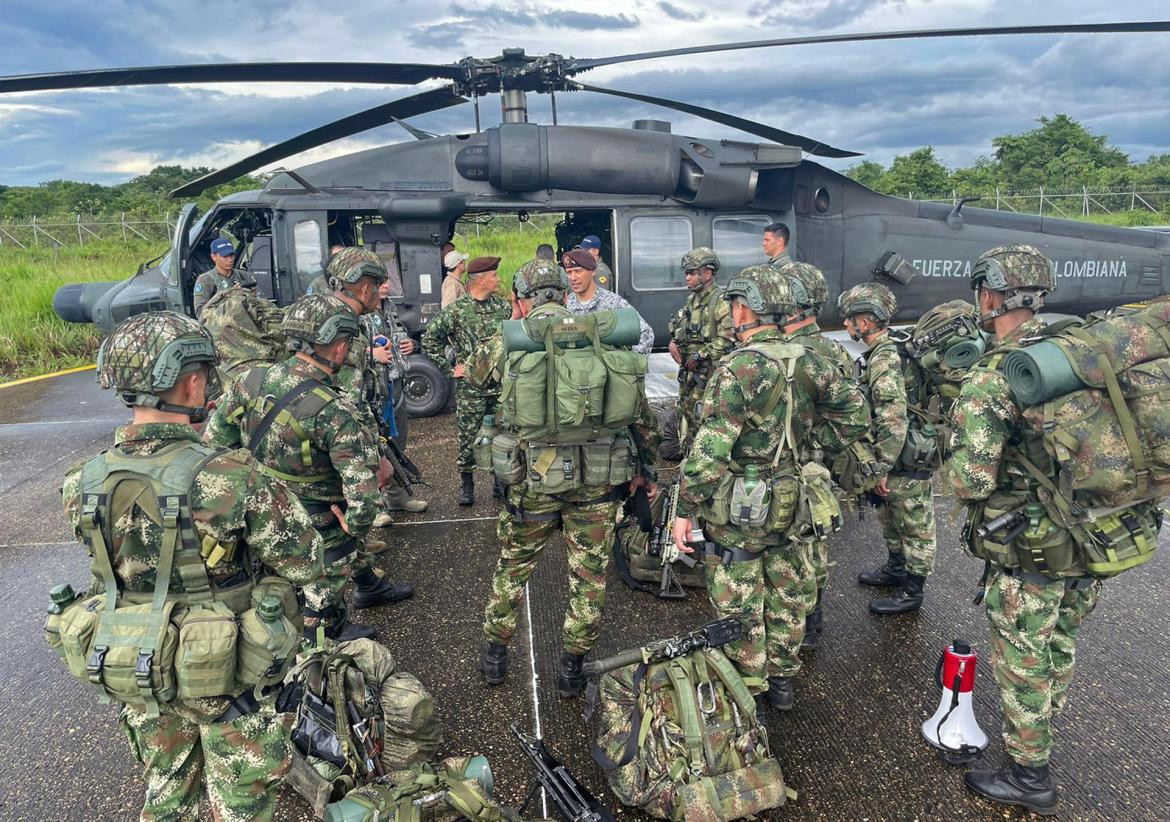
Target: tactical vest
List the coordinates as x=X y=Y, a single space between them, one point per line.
x=148 y=648
x=696 y=325
x=567 y=407
x=293 y=412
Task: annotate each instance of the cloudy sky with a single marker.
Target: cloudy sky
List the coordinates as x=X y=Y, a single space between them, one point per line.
x=878 y=98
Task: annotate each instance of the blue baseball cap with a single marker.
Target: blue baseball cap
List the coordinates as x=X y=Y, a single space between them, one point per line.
x=591 y=241
x=222 y=247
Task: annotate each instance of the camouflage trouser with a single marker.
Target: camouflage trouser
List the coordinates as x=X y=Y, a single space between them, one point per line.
x=471 y=406
x=328 y=590
x=238 y=764
x=907 y=520
x=589 y=531
x=770 y=595
x=1033 y=650
x=689 y=396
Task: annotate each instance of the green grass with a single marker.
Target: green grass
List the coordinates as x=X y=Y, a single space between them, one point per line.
x=33 y=340
x=507 y=239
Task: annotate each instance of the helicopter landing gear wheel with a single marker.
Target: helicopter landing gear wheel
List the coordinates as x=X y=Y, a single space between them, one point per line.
x=426 y=389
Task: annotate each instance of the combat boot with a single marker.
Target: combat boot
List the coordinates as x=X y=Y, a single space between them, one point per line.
x=497 y=488
x=399 y=499
x=339 y=628
x=781 y=693
x=571 y=679
x=812 y=626
x=374 y=589
x=906 y=599
x=493 y=663
x=890 y=575
x=761 y=702
x=1016 y=784
x=466 y=488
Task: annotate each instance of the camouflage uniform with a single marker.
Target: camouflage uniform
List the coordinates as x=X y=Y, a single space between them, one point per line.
x=702 y=331
x=769 y=579
x=342 y=460
x=185 y=751
x=466 y=323
x=210 y=283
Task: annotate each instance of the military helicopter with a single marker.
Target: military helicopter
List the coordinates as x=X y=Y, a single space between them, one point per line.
x=648 y=193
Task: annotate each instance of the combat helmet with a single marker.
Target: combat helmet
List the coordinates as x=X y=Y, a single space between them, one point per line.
x=868 y=298
x=700 y=257
x=318 y=319
x=145 y=356
x=352 y=263
x=1020 y=272
x=775 y=298
x=536 y=276
x=814 y=283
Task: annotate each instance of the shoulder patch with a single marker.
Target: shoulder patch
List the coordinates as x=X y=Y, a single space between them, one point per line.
x=198 y=288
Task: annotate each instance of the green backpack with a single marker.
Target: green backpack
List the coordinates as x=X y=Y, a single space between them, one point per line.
x=147 y=648
x=679 y=739
x=246 y=330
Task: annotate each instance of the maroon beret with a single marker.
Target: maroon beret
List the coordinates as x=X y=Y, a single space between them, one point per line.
x=482 y=265
x=580 y=257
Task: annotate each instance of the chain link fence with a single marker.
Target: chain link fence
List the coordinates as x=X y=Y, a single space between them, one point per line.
x=1073 y=203
x=79 y=229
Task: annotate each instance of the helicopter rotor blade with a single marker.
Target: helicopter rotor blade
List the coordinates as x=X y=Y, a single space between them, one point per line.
x=308 y=72
x=1069 y=28
x=413 y=131
x=412 y=106
x=776 y=135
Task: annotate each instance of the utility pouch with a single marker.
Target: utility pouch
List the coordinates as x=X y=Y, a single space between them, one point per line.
x=623 y=461
x=206 y=661
x=738 y=794
x=507 y=458
x=525 y=389
x=482 y=447
x=818 y=513
x=718 y=510
x=553 y=469
x=580 y=388
x=751 y=500
x=287 y=594
x=595 y=456
x=1044 y=547
x=855 y=468
x=267 y=647
x=75 y=629
x=1119 y=540
x=921 y=450
x=785 y=496
x=625 y=385
x=132 y=658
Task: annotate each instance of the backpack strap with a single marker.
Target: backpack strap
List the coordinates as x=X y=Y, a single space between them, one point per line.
x=630 y=748
x=262 y=428
x=678 y=670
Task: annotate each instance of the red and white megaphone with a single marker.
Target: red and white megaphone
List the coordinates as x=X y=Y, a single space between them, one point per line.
x=953 y=729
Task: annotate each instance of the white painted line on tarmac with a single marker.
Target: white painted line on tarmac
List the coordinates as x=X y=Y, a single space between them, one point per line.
x=535 y=695
x=443 y=521
x=39 y=544
x=60 y=422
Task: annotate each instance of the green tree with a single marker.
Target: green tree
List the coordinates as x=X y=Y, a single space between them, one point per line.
x=1060 y=153
x=867 y=172
x=919 y=173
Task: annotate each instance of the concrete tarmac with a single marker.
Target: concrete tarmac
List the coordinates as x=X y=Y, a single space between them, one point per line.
x=852 y=747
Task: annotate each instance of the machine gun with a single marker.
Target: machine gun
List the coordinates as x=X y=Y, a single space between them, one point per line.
x=573 y=800
x=711 y=635
x=657 y=545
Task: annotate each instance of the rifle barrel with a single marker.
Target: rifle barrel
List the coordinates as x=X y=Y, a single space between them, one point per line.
x=612 y=663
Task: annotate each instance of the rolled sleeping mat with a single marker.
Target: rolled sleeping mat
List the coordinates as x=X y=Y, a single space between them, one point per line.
x=620 y=328
x=966 y=352
x=1039 y=373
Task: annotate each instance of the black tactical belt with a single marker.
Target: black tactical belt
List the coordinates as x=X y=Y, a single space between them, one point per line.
x=519 y=514
x=242 y=705
x=1070 y=583
x=919 y=474
x=339 y=552
x=729 y=555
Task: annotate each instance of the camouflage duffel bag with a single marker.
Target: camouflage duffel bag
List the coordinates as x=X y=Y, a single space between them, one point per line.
x=679 y=739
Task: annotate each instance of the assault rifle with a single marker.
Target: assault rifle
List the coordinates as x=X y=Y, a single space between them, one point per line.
x=711 y=635
x=573 y=800
x=661 y=536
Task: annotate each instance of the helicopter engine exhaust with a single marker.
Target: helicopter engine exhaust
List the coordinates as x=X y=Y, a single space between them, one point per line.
x=520 y=157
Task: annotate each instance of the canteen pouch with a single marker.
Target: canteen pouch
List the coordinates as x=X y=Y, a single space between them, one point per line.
x=206 y=661
x=785 y=497
x=595 y=458
x=553 y=469
x=921 y=452
x=75 y=629
x=283 y=590
x=1119 y=540
x=625 y=384
x=749 y=509
x=507 y=458
x=818 y=512
x=133 y=655
x=481 y=449
x=739 y=794
x=623 y=461
x=266 y=650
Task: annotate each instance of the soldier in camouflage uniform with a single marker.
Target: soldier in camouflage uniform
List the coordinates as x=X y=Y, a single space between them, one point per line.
x=315 y=444
x=906 y=513
x=465 y=324
x=763 y=575
x=807 y=332
x=232 y=748
x=587 y=516
x=1034 y=617
x=700 y=334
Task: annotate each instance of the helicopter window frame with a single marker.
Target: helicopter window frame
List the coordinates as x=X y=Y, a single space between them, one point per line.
x=647 y=267
x=730 y=257
x=307 y=260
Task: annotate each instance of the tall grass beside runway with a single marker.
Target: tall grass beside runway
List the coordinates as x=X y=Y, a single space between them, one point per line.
x=33 y=340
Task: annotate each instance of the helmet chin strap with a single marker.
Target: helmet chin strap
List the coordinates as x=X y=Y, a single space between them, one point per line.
x=197 y=415
x=1033 y=301
x=739 y=330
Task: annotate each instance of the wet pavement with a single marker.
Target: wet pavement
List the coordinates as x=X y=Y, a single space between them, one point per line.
x=851 y=748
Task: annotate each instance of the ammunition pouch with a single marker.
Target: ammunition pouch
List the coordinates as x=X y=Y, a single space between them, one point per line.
x=855 y=469
x=818 y=511
x=559 y=468
x=1043 y=547
x=1115 y=541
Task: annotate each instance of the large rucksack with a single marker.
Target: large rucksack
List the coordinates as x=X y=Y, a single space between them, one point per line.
x=678 y=736
x=246 y=330
x=945 y=342
x=149 y=648
x=356 y=719
x=1096 y=397
x=567 y=399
